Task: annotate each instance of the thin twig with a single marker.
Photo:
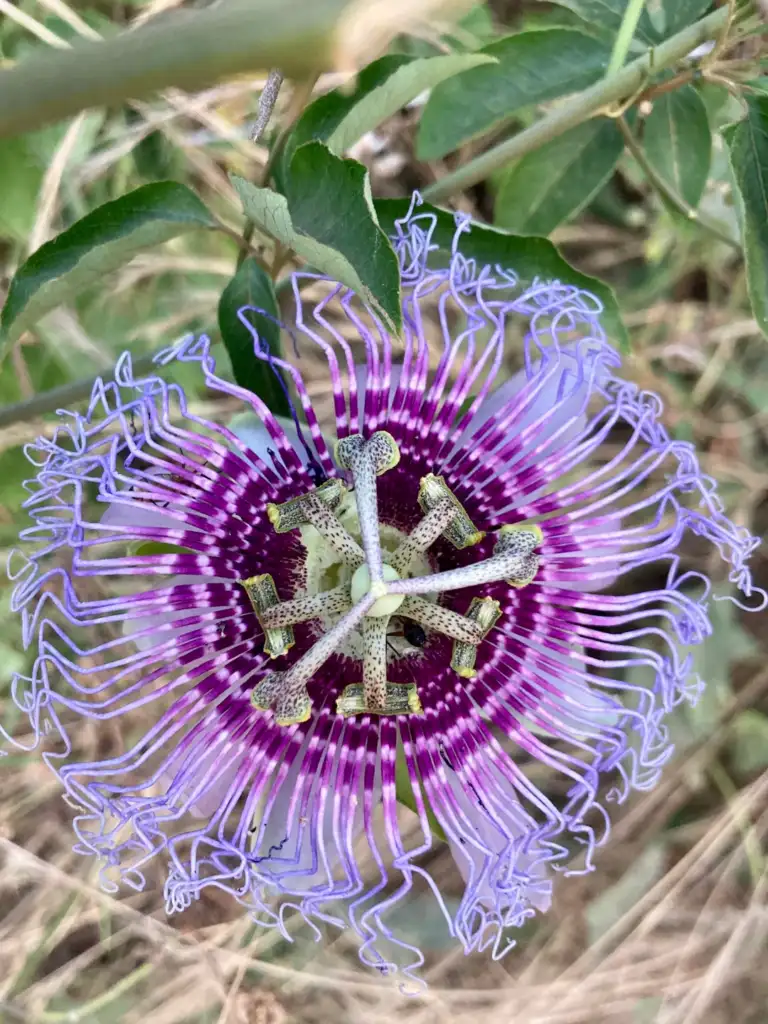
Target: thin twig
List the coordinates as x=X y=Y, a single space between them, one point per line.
x=301 y=95
x=667 y=191
x=581 y=107
x=61 y=397
x=267 y=102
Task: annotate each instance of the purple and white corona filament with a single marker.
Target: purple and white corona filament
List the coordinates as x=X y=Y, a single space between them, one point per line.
x=305 y=612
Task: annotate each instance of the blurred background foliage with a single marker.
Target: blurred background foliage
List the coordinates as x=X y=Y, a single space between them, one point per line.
x=643 y=197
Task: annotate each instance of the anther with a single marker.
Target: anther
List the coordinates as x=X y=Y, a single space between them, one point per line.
x=484 y=612
x=400 y=699
x=316 y=509
x=460 y=530
x=293 y=513
x=262 y=592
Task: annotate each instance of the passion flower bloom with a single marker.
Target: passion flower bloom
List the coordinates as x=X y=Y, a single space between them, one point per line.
x=316 y=623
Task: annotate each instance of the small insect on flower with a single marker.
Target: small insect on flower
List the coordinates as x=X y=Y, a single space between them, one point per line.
x=405 y=635
x=344 y=639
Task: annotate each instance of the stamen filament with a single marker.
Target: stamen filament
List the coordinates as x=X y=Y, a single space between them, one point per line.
x=286 y=692
x=329 y=642
x=325 y=522
x=302 y=609
x=423 y=535
x=441 y=620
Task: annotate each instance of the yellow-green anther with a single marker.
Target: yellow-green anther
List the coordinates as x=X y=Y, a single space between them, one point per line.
x=484 y=612
x=423 y=535
x=460 y=530
x=262 y=592
x=400 y=699
x=292 y=514
x=441 y=620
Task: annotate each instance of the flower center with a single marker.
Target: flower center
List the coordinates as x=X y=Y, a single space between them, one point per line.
x=385 y=603
x=356 y=586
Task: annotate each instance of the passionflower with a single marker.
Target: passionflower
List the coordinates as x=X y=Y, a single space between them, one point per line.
x=342 y=641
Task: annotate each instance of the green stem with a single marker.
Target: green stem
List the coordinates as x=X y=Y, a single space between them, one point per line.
x=581 y=107
x=625 y=35
x=59 y=398
x=668 y=192
x=185 y=49
x=301 y=96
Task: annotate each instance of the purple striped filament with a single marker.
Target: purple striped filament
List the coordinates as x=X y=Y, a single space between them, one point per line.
x=459 y=573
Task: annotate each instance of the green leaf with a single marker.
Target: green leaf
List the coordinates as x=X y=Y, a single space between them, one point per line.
x=421 y=920
x=554 y=182
x=157 y=547
x=469 y=33
x=22 y=177
x=748 y=148
x=101 y=242
x=678 y=142
x=269 y=212
x=532 y=67
x=474 y=29
x=321 y=119
x=351 y=249
x=664 y=18
x=529 y=257
x=660 y=18
x=329 y=200
x=406 y=82
x=252 y=286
